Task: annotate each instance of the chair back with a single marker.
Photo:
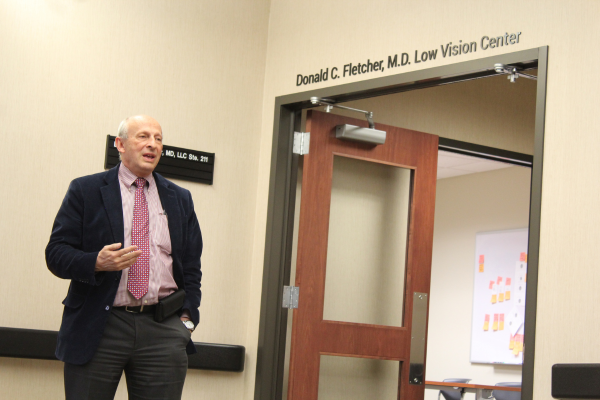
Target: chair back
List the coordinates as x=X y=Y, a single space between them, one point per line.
x=505 y=394
x=453 y=394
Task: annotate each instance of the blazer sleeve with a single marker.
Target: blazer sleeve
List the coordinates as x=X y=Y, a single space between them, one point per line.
x=64 y=256
x=192 y=273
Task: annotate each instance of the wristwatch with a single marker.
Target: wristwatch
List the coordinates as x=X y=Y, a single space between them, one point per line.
x=189 y=325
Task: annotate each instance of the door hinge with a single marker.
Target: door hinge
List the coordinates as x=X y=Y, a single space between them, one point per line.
x=290 y=297
x=301 y=143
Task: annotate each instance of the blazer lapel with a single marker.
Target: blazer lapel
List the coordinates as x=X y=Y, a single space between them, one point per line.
x=170 y=204
x=111 y=196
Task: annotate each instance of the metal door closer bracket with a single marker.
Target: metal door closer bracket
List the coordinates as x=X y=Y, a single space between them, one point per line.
x=352 y=132
x=513 y=72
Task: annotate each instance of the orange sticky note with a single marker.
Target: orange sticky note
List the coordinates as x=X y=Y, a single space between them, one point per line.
x=501 y=297
x=511 y=344
x=518 y=346
x=501 y=322
x=519 y=343
x=507 y=289
x=523 y=257
x=495 y=325
x=494 y=294
x=481 y=268
x=486 y=322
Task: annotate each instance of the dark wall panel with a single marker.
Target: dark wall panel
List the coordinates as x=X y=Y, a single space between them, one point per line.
x=39 y=344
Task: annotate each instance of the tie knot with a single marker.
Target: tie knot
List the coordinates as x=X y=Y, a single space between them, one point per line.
x=140 y=182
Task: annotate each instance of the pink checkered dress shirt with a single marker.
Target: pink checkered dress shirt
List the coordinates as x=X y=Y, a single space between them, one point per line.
x=161 y=282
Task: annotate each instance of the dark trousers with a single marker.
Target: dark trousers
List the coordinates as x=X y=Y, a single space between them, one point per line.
x=151 y=353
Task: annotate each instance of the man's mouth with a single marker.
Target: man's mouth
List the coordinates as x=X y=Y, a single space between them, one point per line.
x=149 y=157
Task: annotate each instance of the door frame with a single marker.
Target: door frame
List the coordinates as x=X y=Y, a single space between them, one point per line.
x=282 y=194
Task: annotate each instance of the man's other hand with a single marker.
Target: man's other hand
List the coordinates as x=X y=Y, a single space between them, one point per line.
x=111 y=258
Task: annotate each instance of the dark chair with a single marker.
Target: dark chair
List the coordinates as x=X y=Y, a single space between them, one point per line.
x=452 y=394
x=505 y=394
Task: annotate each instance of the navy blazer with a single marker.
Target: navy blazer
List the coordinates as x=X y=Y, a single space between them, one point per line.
x=91 y=217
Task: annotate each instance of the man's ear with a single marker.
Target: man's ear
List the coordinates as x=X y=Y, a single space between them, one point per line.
x=119 y=145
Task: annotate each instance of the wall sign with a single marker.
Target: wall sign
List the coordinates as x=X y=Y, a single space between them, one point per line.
x=175 y=162
x=402 y=59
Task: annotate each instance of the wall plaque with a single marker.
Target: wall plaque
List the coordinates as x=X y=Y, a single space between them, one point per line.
x=175 y=162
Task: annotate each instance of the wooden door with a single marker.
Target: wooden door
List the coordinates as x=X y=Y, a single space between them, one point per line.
x=313 y=336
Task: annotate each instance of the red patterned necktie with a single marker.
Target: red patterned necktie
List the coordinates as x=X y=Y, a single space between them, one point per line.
x=137 y=279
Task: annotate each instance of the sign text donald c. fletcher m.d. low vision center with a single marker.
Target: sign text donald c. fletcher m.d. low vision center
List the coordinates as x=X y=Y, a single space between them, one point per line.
x=402 y=59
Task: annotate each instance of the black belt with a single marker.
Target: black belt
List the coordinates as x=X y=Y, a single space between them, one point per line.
x=137 y=309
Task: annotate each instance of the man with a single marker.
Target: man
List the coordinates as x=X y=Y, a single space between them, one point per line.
x=127 y=239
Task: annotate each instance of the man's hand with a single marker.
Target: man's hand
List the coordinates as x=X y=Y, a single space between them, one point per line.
x=111 y=258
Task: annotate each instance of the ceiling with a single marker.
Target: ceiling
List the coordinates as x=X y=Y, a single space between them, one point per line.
x=453 y=164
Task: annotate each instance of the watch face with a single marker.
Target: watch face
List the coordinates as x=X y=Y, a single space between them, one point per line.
x=189 y=324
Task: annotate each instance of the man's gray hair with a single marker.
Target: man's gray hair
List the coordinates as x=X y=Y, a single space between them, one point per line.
x=122 y=132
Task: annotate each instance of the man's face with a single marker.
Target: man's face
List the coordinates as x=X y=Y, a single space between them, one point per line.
x=141 y=150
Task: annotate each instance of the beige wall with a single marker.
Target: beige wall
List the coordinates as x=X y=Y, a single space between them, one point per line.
x=465 y=206
x=70 y=71
x=309 y=35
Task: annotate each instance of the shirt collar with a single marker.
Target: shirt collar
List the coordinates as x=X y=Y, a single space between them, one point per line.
x=128 y=178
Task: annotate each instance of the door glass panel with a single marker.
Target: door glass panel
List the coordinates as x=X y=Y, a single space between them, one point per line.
x=366 y=252
x=352 y=378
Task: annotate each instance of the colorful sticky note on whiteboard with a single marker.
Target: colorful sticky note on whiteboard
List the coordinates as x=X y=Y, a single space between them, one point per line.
x=495 y=324
x=523 y=257
x=519 y=342
x=486 y=322
x=501 y=322
x=515 y=349
x=500 y=289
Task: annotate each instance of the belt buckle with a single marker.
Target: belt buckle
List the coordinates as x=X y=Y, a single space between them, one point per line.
x=134 y=312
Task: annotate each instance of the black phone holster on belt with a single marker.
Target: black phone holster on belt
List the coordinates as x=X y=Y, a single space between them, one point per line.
x=169 y=305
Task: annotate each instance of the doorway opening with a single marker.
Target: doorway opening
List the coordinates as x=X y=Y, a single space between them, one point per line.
x=482 y=214
x=284 y=178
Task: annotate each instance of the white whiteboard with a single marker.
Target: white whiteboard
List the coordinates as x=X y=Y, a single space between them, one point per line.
x=499 y=297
